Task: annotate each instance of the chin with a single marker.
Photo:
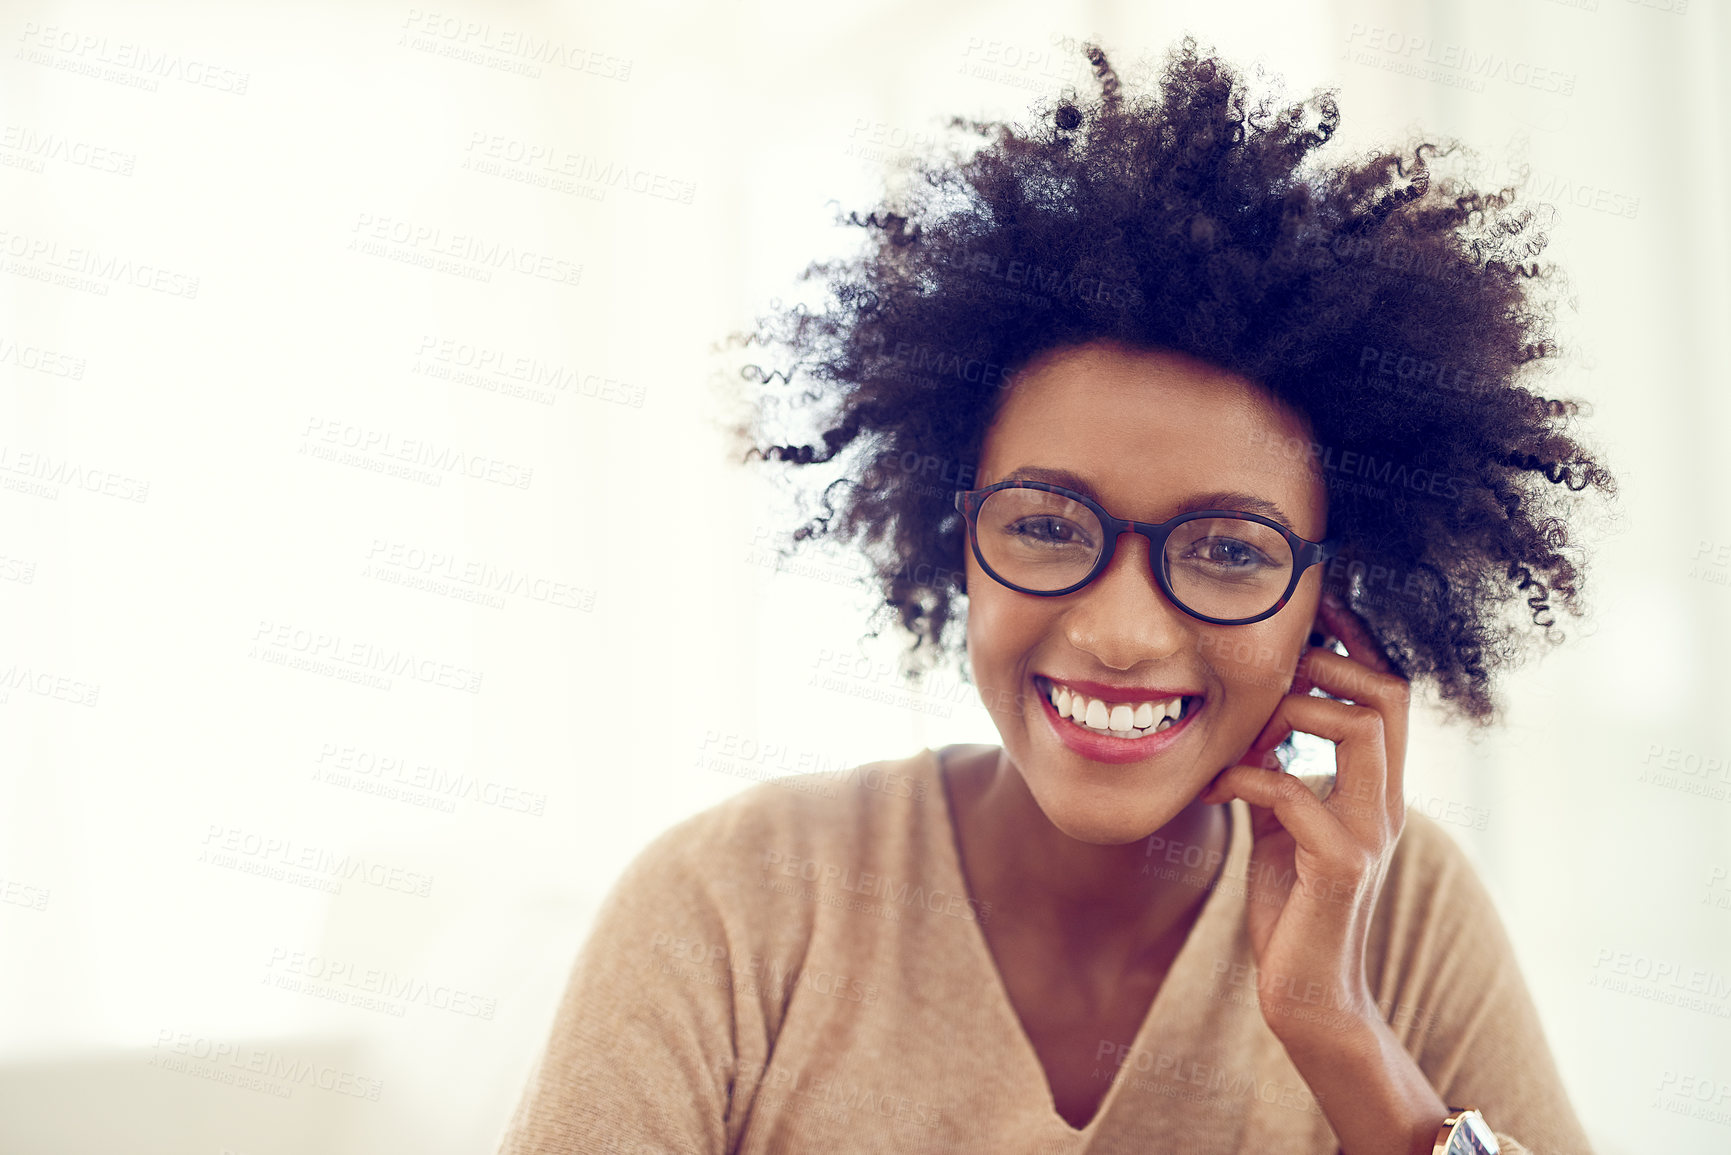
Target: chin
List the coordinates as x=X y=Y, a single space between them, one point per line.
x=1099 y=817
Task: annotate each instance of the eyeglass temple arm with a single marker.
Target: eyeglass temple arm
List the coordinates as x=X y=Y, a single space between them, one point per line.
x=1315 y=552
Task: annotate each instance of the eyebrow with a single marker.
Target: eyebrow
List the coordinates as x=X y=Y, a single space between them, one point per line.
x=1218 y=499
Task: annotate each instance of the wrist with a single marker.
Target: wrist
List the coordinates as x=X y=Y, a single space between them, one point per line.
x=1371 y=1090
x=1331 y=1028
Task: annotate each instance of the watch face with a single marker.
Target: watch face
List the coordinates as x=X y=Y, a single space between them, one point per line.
x=1472 y=1137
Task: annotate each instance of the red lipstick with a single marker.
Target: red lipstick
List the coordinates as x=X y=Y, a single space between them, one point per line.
x=1110 y=693
x=1103 y=747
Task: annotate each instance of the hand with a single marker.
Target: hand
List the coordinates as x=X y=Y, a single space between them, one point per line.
x=1317 y=865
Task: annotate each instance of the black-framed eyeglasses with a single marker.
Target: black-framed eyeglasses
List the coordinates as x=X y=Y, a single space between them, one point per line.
x=1222 y=566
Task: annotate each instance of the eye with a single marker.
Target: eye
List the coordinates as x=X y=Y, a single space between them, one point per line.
x=1229 y=553
x=1047 y=531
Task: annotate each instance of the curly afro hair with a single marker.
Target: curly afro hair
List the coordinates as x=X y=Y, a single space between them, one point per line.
x=1399 y=314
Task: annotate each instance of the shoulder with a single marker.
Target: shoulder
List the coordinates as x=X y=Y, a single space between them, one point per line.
x=1436 y=937
x=1449 y=984
x=1430 y=870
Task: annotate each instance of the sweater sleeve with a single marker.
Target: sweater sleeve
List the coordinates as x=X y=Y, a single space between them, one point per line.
x=648 y=1037
x=1459 y=1003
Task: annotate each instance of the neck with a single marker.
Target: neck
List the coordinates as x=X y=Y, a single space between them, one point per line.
x=1111 y=905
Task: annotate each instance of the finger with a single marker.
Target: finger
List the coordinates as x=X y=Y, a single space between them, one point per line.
x=1260 y=753
x=1310 y=822
x=1352 y=681
x=1352 y=630
x=1301 y=683
x=1365 y=676
x=1364 y=797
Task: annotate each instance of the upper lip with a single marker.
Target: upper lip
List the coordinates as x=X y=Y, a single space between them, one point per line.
x=1110 y=693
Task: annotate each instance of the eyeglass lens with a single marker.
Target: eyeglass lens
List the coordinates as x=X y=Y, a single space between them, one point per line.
x=1219 y=567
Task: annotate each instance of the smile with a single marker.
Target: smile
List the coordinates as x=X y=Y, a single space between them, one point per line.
x=1129 y=720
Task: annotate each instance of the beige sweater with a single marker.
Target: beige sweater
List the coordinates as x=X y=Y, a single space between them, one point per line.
x=801 y=969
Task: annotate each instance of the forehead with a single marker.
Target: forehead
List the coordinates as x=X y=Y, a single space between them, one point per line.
x=1149 y=429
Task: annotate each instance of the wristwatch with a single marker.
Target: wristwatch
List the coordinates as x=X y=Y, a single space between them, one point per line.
x=1465 y=1132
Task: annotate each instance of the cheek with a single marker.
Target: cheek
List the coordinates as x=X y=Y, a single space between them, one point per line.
x=1255 y=665
x=991 y=636
x=1002 y=636
x=985 y=608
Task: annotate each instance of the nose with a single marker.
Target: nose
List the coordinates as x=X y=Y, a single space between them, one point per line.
x=1123 y=617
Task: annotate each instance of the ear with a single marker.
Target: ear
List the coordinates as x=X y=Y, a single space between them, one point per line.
x=1320 y=638
x=1320 y=635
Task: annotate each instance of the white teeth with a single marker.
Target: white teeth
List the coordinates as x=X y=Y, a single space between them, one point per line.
x=1120 y=718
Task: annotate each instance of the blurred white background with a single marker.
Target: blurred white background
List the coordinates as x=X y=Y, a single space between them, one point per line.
x=291 y=712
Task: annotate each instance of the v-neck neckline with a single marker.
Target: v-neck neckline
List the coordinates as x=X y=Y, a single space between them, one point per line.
x=1177 y=975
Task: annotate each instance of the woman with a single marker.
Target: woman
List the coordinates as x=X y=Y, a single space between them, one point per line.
x=1195 y=429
